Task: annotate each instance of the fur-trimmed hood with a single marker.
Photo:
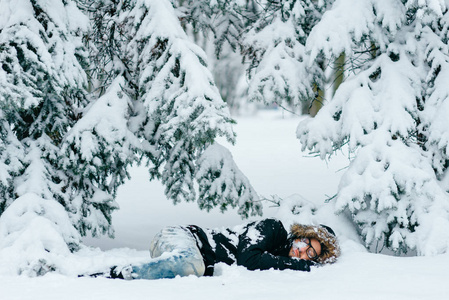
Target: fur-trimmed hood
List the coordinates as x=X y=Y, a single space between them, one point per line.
x=330 y=249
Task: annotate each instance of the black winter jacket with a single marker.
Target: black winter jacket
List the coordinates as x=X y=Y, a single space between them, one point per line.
x=261 y=245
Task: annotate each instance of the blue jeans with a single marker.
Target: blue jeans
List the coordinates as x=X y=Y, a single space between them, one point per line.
x=174 y=251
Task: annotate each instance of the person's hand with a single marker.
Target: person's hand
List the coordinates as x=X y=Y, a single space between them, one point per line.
x=121 y=272
x=312 y=263
x=306 y=264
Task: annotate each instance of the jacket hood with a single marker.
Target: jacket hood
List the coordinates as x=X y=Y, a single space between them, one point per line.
x=330 y=250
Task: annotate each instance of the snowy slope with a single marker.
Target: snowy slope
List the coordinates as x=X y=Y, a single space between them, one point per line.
x=268 y=153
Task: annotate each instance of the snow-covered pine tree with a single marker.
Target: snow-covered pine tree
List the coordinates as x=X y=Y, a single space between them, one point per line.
x=218 y=27
x=389 y=112
x=42 y=87
x=434 y=126
x=229 y=24
x=99 y=148
x=185 y=112
x=275 y=46
x=106 y=40
x=174 y=106
x=224 y=20
x=233 y=20
x=98 y=151
x=198 y=14
x=11 y=158
x=222 y=184
x=230 y=77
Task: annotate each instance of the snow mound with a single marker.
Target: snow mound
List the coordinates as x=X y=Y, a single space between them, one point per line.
x=36 y=236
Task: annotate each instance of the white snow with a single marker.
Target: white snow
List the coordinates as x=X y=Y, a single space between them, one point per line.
x=269 y=155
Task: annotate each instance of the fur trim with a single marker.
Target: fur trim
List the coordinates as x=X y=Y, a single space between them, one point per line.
x=331 y=249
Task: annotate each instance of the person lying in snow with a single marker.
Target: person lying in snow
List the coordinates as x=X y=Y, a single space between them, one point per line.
x=265 y=244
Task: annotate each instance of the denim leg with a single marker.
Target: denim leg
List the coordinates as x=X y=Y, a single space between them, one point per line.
x=174 y=252
x=169 y=267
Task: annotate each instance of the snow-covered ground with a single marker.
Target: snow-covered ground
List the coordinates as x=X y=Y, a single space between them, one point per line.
x=268 y=153
x=356 y=276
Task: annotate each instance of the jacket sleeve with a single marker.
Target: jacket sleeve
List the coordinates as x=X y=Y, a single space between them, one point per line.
x=258 y=243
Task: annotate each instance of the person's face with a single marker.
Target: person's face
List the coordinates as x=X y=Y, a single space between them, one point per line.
x=304 y=248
